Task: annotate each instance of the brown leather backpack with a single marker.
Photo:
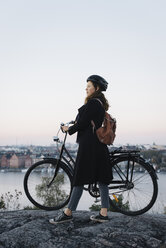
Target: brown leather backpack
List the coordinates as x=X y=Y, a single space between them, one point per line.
x=106 y=133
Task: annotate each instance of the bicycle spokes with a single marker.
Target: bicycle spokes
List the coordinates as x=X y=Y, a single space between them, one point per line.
x=133 y=189
x=44 y=189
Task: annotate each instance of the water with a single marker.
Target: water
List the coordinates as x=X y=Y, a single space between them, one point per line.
x=14 y=180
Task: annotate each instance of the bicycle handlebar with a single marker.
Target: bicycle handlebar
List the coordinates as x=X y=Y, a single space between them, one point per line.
x=68 y=123
x=55 y=138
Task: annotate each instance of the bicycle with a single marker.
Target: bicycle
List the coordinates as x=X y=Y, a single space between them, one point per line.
x=133 y=190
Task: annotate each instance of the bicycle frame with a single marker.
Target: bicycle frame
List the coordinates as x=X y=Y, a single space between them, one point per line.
x=63 y=148
x=114 y=156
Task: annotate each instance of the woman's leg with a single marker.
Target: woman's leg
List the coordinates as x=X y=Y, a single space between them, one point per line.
x=67 y=214
x=104 y=193
x=74 y=199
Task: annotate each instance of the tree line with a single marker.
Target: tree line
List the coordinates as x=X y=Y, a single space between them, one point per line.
x=156 y=157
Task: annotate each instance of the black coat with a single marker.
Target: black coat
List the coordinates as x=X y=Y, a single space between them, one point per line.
x=92 y=162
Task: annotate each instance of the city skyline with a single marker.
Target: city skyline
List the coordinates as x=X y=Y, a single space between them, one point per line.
x=48 y=49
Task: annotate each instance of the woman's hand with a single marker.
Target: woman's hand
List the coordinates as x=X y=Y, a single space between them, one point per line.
x=65 y=128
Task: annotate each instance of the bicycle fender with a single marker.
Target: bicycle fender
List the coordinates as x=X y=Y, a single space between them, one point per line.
x=124 y=156
x=152 y=168
x=150 y=165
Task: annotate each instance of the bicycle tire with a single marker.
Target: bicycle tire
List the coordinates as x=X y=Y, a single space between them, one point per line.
x=36 y=187
x=138 y=196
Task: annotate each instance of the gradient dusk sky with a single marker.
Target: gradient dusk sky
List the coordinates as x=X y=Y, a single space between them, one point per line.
x=49 y=48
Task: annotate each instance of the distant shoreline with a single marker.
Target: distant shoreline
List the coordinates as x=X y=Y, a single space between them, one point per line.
x=5 y=170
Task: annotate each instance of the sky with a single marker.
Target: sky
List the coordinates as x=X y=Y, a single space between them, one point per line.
x=49 y=48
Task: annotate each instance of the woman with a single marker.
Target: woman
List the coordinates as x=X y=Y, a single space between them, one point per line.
x=92 y=162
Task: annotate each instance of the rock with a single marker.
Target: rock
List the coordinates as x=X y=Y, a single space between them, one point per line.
x=31 y=229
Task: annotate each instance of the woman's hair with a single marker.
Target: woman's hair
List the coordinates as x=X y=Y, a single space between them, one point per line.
x=100 y=95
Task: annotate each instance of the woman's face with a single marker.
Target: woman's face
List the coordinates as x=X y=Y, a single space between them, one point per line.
x=90 y=89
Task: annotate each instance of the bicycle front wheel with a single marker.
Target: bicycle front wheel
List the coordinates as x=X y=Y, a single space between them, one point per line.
x=134 y=189
x=36 y=182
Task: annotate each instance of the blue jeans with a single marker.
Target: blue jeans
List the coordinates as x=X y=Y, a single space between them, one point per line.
x=77 y=193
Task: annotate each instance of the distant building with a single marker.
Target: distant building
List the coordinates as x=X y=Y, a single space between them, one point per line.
x=14 y=161
x=28 y=161
x=158 y=147
x=17 y=161
x=36 y=158
x=21 y=160
x=164 y=158
x=5 y=160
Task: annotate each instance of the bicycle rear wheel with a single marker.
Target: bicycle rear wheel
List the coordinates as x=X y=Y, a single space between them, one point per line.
x=36 y=182
x=134 y=188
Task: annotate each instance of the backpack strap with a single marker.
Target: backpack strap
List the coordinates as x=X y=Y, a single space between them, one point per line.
x=92 y=122
x=99 y=101
x=93 y=125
